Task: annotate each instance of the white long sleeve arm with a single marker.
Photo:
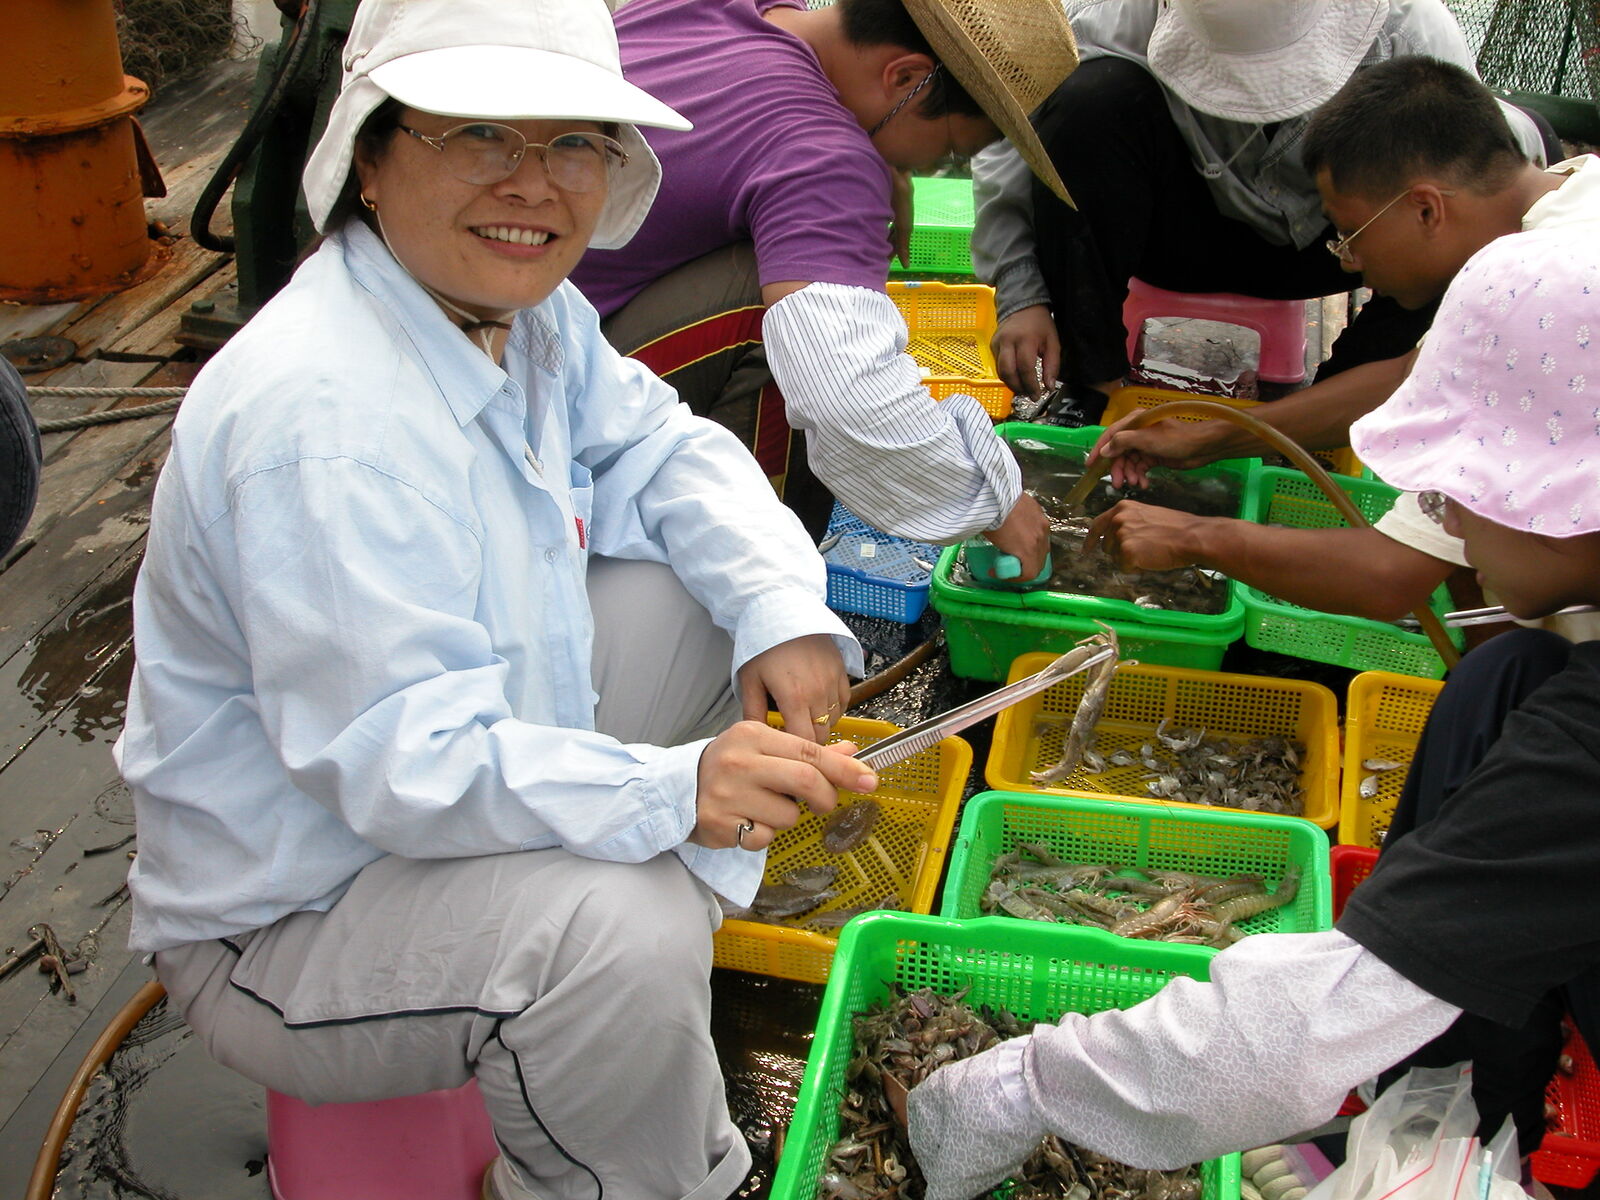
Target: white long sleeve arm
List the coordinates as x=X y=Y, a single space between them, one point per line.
x=1287 y=1025
x=928 y=470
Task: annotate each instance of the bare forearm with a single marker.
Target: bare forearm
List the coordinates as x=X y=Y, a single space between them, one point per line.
x=1358 y=572
x=1319 y=416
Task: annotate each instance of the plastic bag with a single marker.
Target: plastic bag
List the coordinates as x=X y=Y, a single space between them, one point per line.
x=1193 y=354
x=1418 y=1142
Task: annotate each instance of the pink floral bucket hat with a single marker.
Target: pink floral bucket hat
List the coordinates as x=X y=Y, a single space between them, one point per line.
x=1502 y=411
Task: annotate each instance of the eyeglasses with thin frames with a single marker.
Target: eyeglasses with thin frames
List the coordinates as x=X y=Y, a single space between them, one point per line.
x=1340 y=247
x=483 y=152
x=905 y=100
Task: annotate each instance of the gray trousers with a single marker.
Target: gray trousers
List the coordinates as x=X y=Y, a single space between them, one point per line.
x=577 y=991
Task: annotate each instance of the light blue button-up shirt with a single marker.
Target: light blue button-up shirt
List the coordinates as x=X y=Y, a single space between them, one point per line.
x=362 y=628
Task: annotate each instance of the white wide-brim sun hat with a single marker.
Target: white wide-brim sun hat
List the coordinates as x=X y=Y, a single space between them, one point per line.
x=1259 y=62
x=528 y=60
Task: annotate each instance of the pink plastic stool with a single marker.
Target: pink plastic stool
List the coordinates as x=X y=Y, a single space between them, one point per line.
x=1281 y=323
x=428 y=1147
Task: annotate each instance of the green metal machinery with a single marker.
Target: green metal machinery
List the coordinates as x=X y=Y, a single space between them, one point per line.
x=296 y=83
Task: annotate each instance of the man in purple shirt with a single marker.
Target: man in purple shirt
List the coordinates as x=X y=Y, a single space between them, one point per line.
x=769 y=241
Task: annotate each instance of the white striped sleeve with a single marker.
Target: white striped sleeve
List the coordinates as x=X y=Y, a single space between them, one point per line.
x=912 y=466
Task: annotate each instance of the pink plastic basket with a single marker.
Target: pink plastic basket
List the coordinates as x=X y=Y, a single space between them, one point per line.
x=428 y=1147
x=1281 y=323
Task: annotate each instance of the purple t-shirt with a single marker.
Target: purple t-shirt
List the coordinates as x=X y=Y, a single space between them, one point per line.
x=773 y=157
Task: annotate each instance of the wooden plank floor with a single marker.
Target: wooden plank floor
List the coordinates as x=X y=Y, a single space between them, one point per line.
x=65 y=625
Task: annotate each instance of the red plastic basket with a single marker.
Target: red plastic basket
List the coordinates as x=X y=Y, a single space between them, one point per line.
x=1569 y=1156
x=1349 y=865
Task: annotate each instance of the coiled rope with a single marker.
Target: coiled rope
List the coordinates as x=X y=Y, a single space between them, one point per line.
x=58 y=424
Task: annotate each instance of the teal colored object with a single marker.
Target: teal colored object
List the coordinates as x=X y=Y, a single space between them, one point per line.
x=941 y=240
x=990 y=568
x=1037 y=972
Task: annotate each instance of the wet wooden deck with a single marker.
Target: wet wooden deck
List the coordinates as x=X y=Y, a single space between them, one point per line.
x=66 y=627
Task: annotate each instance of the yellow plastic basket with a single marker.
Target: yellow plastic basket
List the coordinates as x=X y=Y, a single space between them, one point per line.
x=951 y=327
x=1384 y=716
x=903 y=857
x=1130 y=399
x=1234 y=706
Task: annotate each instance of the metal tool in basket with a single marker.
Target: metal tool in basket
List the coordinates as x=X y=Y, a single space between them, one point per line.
x=915 y=739
x=1493 y=615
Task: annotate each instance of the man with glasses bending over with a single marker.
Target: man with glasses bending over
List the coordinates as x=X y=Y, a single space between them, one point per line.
x=769 y=245
x=1416 y=165
x=1181 y=138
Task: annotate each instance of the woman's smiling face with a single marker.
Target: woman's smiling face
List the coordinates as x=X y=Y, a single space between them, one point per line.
x=490 y=248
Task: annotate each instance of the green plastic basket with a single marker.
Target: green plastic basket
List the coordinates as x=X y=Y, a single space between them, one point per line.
x=1199 y=841
x=986 y=628
x=941 y=239
x=1035 y=971
x=1075 y=444
x=984 y=640
x=1277 y=496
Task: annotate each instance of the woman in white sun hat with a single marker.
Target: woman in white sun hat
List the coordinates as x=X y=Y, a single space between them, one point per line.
x=1477 y=926
x=444 y=633
x=1178 y=138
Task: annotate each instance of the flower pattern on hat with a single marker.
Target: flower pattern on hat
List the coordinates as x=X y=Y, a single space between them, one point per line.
x=1487 y=415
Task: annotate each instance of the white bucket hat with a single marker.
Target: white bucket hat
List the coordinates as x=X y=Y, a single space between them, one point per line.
x=500 y=60
x=1245 y=60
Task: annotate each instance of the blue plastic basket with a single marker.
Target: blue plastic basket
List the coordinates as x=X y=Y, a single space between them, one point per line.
x=874 y=573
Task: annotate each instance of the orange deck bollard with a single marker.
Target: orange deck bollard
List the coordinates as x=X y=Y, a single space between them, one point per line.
x=72 y=221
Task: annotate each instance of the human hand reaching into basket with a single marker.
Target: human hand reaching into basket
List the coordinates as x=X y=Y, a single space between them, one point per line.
x=971 y=1124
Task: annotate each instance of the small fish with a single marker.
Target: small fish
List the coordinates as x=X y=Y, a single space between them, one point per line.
x=849 y=826
x=785 y=900
x=813 y=878
x=1369 y=787
x=1380 y=764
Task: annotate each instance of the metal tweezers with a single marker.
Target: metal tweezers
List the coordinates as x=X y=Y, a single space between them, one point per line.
x=1492 y=615
x=919 y=737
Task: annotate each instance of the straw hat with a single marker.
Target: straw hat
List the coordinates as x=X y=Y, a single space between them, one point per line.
x=1009 y=55
x=534 y=59
x=1243 y=60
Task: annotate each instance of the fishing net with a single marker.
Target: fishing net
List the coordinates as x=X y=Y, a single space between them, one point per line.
x=166 y=40
x=1550 y=47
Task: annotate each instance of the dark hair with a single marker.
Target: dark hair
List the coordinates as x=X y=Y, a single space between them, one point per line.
x=1409 y=116
x=374 y=134
x=886 y=23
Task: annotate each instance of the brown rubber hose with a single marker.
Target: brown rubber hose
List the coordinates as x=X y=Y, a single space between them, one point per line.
x=43 y=1180
x=894 y=673
x=1291 y=450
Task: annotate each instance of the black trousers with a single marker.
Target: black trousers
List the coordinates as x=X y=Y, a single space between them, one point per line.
x=1144 y=210
x=19 y=458
x=1510 y=1066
